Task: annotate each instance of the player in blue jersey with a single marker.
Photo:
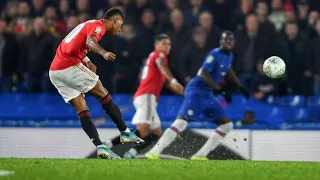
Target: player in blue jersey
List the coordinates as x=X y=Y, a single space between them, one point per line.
x=200 y=103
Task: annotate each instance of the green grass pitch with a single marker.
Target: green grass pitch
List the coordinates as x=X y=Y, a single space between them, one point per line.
x=94 y=169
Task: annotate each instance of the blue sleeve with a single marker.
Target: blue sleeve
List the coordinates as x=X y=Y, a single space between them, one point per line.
x=210 y=61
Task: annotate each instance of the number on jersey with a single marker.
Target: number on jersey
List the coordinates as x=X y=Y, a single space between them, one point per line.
x=75 y=31
x=145 y=69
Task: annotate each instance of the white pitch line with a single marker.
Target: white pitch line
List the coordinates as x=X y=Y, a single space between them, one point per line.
x=6 y=172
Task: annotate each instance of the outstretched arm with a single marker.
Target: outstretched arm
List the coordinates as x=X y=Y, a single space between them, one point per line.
x=205 y=76
x=233 y=78
x=92 y=44
x=174 y=85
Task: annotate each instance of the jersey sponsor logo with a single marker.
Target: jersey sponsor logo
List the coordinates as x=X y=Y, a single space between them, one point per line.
x=98 y=30
x=210 y=59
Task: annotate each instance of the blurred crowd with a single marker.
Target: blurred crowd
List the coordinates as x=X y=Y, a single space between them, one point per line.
x=31 y=30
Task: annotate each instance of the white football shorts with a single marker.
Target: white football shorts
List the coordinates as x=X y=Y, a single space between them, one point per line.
x=146 y=111
x=73 y=81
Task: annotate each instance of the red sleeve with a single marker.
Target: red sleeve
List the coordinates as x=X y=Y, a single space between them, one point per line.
x=161 y=56
x=96 y=30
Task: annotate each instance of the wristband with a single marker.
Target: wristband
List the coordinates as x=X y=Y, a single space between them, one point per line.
x=86 y=59
x=173 y=81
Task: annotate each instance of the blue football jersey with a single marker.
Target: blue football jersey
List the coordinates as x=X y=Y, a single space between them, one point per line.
x=217 y=63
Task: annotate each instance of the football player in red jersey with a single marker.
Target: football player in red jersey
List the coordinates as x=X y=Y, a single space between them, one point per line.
x=73 y=79
x=155 y=74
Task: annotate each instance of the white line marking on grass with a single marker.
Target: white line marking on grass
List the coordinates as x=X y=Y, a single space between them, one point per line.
x=5 y=172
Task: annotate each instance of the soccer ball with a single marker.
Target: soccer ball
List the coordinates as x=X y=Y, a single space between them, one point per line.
x=274 y=67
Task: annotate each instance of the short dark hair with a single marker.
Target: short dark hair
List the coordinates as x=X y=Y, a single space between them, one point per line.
x=113 y=12
x=161 y=36
x=227 y=32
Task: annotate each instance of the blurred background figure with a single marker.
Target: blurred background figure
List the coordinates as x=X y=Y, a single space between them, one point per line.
x=36 y=55
x=22 y=24
x=276 y=16
x=9 y=58
x=194 y=53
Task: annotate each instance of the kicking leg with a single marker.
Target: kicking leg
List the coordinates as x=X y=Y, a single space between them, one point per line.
x=80 y=105
x=224 y=127
x=169 y=135
x=114 y=112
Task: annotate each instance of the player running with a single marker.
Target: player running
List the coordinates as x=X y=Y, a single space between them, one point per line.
x=200 y=103
x=73 y=79
x=154 y=75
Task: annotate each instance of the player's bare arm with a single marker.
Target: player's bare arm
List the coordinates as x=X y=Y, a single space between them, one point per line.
x=92 y=44
x=233 y=78
x=205 y=76
x=89 y=64
x=173 y=83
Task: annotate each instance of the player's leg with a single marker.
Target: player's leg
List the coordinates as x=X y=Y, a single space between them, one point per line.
x=84 y=115
x=224 y=127
x=188 y=109
x=139 y=119
x=64 y=83
x=114 y=112
x=147 y=121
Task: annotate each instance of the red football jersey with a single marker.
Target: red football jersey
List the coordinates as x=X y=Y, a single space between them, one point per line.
x=152 y=80
x=72 y=48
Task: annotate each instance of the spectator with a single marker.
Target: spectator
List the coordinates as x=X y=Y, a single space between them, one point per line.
x=64 y=9
x=138 y=10
x=72 y=22
x=289 y=14
x=129 y=60
x=293 y=49
x=82 y=6
x=206 y=22
x=147 y=32
x=240 y=14
x=312 y=19
x=303 y=10
x=83 y=17
x=179 y=34
x=221 y=11
x=265 y=26
x=193 y=54
x=21 y=25
x=51 y=18
x=10 y=12
x=38 y=7
x=165 y=16
x=276 y=16
x=250 y=48
x=37 y=54
x=191 y=14
x=315 y=57
x=8 y=59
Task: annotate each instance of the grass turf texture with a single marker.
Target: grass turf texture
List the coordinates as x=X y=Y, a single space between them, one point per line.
x=80 y=169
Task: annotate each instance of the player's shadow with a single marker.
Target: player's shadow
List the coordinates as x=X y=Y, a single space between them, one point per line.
x=185 y=145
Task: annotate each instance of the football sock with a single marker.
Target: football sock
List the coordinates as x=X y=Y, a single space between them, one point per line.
x=166 y=139
x=212 y=143
x=113 y=111
x=215 y=139
x=89 y=127
x=169 y=136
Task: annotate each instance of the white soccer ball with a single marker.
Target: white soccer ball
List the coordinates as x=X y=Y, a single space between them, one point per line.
x=274 y=67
